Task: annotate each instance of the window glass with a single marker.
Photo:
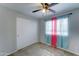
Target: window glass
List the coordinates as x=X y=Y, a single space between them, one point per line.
x=61 y=26
x=48 y=27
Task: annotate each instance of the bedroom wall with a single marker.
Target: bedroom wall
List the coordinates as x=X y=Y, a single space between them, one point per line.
x=8 y=42
x=42 y=31
x=74 y=31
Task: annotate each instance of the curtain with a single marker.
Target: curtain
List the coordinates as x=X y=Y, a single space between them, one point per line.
x=57 y=32
x=62 y=32
x=48 y=32
x=48 y=39
x=54 y=36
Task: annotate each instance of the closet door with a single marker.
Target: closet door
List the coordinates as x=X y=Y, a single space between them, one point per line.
x=23 y=33
x=19 y=30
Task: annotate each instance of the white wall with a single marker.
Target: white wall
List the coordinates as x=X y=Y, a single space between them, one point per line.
x=42 y=31
x=73 y=30
x=8 y=43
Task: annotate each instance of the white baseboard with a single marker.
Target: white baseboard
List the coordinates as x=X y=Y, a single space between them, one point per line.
x=76 y=53
x=6 y=54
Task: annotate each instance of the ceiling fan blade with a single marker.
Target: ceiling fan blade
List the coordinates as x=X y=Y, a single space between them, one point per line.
x=52 y=10
x=43 y=5
x=36 y=10
x=52 y=4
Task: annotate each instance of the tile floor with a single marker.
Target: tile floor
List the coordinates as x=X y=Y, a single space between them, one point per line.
x=40 y=49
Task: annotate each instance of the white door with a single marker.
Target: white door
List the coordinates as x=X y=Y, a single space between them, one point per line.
x=26 y=32
x=19 y=30
x=22 y=33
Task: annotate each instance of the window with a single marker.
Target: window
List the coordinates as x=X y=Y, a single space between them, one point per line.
x=61 y=26
x=48 y=27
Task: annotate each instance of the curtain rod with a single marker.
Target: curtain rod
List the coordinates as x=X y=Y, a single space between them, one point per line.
x=49 y=18
x=67 y=14
x=64 y=14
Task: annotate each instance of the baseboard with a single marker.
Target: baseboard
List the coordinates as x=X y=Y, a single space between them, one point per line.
x=45 y=43
x=28 y=45
x=73 y=52
x=6 y=54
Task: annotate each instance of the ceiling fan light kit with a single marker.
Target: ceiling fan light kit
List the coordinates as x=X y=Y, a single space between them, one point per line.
x=43 y=10
x=46 y=8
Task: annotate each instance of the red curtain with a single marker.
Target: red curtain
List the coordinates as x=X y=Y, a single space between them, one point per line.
x=54 y=36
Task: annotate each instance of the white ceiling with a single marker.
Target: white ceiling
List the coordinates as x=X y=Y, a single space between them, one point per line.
x=27 y=8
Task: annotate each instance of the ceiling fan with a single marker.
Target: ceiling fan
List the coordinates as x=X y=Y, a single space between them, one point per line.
x=46 y=7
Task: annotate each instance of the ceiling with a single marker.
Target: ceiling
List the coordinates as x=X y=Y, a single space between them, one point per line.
x=27 y=8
